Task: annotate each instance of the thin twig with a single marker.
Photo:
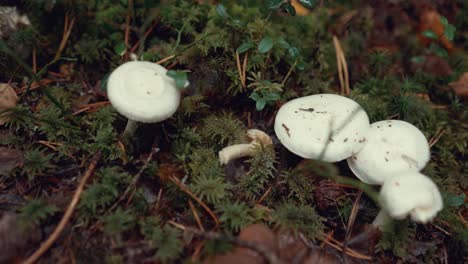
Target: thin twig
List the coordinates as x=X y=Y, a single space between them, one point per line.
x=135 y=179
x=270 y=256
x=239 y=69
x=352 y=219
x=244 y=67
x=127 y=23
x=198 y=200
x=264 y=195
x=343 y=74
x=289 y=73
x=165 y=59
x=148 y=31
x=436 y=137
x=195 y=215
x=67 y=31
x=34 y=58
x=68 y=213
x=329 y=240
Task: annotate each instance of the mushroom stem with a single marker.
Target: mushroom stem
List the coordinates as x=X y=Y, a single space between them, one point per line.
x=130 y=128
x=381 y=219
x=256 y=137
x=234 y=152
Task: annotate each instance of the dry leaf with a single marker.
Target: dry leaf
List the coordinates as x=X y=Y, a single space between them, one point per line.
x=8 y=99
x=460 y=87
x=430 y=20
x=9 y=159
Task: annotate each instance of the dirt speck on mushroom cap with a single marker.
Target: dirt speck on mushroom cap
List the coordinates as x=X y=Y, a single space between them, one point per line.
x=328 y=127
x=393 y=146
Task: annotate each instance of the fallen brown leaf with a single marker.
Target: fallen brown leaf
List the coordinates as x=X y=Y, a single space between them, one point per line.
x=430 y=20
x=9 y=159
x=8 y=99
x=460 y=87
x=434 y=65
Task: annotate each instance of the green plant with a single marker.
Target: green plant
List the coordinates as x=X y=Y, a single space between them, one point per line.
x=36 y=162
x=234 y=215
x=302 y=218
x=34 y=212
x=164 y=240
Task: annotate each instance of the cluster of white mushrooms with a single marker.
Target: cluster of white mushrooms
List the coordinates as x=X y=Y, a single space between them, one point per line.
x=390 y=153
x=325 y=127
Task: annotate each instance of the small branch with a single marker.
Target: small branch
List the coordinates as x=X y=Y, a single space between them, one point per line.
x=34 y=58
x=135 y=179
x=289 y=73
x=342 y=65
x=195 y=215
x=140 y=41
x=329 y=240
x=239 y=69
x=244 y=67
x=270 y=256
x=436 y=137
x=66 y=34
x=165 y=59
x=352 y=219
x=198 y=200
x=127 y=23
x=68 y=213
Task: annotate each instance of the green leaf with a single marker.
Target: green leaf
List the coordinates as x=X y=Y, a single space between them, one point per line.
x=444 y=21
x=244 y=47
x=439 y=51
x=272 y=96
x=180 y=77
x=300 y=66
x=255 y=96
x=260 y=104
x=265 y=44
x=454 y=200
x=120 y=48
x=283 y=43
x=274 y=4
x=430 y=34
x=449 y=31
x=309 y=4
x=221 y=10
x=289 y=9
x=103 y=85
x=293 y=52
x=418 y=59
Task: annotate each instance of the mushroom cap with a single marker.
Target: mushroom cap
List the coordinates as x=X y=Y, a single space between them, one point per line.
x=411 y=193
x=325 y=127
x=392 y=146
x=141 y=91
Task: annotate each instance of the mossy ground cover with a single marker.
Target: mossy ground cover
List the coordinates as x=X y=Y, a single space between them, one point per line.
x=243 y=60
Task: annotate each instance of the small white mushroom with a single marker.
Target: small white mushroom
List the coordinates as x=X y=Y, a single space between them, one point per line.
x=10 y=19
x=325 y=127
x=232 y=152
x=411 y=193
x=142 y=92
x=392 y=146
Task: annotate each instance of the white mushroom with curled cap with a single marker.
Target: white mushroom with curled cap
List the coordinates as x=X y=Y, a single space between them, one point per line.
x=256 y=137
x=142 y=92
x=392 y=146
x=326 y=127
x=409 y=193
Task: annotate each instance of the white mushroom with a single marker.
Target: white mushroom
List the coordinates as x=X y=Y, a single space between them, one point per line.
x=393 y=146
x=142 y=92
x=232 y=152
x=325 y=127
x=411 y=193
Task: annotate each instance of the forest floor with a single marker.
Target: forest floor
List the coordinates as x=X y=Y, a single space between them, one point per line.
x=74 y=189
